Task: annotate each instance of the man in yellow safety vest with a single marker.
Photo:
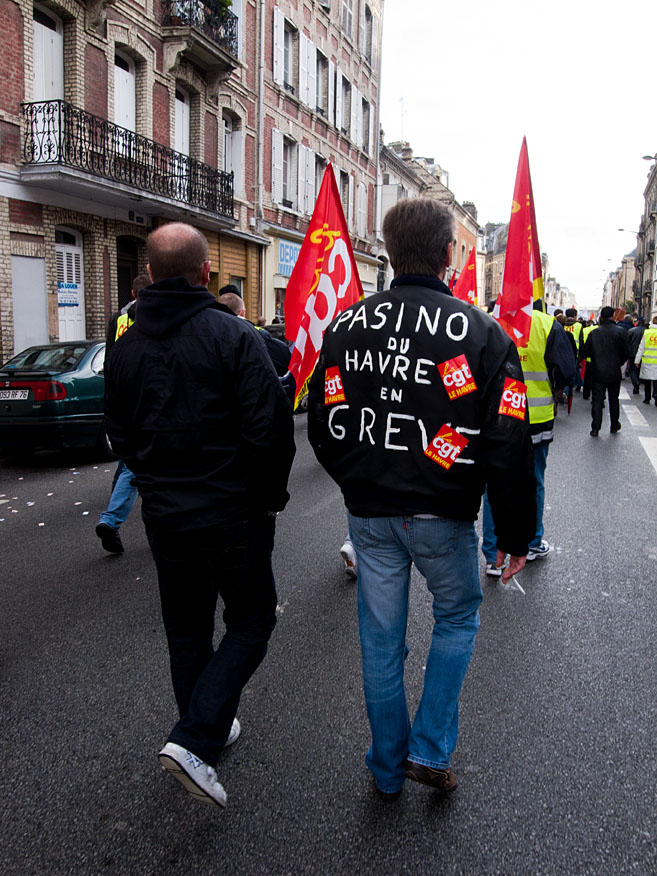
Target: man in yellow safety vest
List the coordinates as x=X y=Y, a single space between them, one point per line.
x=647 y=357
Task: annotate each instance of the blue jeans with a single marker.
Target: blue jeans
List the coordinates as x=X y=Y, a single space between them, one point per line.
x=445 y=552
x=122 y=499
x=489 y=540
x=194 y=569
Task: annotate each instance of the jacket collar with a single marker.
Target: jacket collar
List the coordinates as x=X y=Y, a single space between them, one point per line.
x=421 y=280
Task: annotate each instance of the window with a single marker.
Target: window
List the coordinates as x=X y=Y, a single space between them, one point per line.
x=361 y=210
x=346 y=106
x=320 y=170
x=48 y=56
x=367 y=34
x=125 y=108
x=182 y=122
x=321 y=84
x=286 y=52
x=238 y=282
x=232 y=152
x=366 y=127
x=346 y=186
x=347 y=16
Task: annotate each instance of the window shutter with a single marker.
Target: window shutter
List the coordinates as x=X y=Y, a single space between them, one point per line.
x=278 y=62
x=301 y=178
x=237 y=163
x=338 y=98
x=350 y=205
x=310 y=181
x=303 y=67
x=312 y=75
x=371 y=146
x=331 y=93
x=375 y=41
x=355 y=102
x=277 y=166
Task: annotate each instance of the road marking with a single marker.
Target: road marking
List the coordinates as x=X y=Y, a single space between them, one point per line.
x=623 y=394
x=634 y=415
x=650 y=446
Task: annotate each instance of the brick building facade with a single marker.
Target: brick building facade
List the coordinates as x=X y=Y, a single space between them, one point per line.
x=117 y=116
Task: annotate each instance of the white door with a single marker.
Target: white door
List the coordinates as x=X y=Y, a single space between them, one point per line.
x=125 y=103
x=30 y=302
x=182 y=122
x=70 y=292
x=48 y=55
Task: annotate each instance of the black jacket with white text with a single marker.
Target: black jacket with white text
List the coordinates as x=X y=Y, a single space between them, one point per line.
x=417 y=403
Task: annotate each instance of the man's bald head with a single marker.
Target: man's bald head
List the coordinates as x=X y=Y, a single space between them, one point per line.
x=178 y=250
x=233 y=302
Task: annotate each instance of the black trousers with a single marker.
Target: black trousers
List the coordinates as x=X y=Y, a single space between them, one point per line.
x=231 y=561
x=647 y=386
x=598 y=390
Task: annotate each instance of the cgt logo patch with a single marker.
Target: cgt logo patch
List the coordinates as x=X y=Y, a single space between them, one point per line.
x=514 y=399
x=446 y=447
x=333 y=389
x=457 y=377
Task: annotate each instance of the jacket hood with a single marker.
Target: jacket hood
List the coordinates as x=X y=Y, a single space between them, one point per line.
x=167 y=304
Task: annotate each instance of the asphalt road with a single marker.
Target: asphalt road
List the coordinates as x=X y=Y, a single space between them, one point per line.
x=557 y=750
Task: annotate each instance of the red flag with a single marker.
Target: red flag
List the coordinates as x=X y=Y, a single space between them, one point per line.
x=523 y=277
x=324 y=282
x=465 y=287
x=452 y=281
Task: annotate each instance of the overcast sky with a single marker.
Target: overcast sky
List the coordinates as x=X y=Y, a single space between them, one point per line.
x=577 y=78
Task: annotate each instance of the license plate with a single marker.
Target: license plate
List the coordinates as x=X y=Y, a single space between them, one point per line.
x=14 y=394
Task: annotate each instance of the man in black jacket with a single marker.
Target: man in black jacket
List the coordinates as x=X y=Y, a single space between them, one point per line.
x=608 y=348
x=416 y=404
x=196 y=410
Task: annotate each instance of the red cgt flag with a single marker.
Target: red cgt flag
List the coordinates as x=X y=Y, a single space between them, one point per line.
x=324 y=282
x=523 y=277
x=465 y=287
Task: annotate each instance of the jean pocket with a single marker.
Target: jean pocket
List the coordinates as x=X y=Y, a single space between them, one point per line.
x=369 y=532
x=433 y=537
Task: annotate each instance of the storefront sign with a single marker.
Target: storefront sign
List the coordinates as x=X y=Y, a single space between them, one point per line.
x=288 y=254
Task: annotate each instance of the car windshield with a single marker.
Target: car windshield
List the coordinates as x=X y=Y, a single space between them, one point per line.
x=66 y=357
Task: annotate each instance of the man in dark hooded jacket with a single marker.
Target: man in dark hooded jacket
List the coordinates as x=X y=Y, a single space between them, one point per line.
x=608 y=348
x=196 y=410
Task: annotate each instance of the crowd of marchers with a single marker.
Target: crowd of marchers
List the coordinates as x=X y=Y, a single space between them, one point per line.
x=196 y=411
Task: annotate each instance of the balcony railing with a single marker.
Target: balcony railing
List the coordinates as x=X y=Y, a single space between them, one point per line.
x=209 y=16
x=57 y=133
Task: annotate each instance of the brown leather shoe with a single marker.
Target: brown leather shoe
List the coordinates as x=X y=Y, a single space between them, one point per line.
x=439 y=780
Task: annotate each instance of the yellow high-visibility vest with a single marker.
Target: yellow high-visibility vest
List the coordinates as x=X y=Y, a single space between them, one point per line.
x=650 y=346
x=532 y=358
x=575 y=329
x=123 y=323
x=587 y=332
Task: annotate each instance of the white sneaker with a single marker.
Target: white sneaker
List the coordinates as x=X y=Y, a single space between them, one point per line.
x=348 y=554
x=235 y=731
x=537 y=553
x=493 y=571
x=197 y=777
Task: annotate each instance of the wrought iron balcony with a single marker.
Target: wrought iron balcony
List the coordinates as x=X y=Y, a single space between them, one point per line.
x=58 y=133
x=209 y=16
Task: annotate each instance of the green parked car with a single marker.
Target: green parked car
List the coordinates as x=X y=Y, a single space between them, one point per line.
x=52 y=397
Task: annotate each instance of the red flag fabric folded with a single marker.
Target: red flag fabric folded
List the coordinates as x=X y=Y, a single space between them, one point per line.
x=465 y=287
x=324 y=282
x=522 y=283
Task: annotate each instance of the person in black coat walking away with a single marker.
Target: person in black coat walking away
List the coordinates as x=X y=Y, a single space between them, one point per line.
x=635 y=334
x=608 y=348
x=196 y=410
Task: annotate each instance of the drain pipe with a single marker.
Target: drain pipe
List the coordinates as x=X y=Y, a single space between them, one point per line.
x=261 y=115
